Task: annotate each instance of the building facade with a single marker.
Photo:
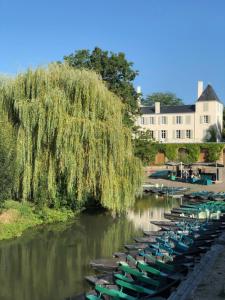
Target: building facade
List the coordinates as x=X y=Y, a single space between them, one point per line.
x=185 y=123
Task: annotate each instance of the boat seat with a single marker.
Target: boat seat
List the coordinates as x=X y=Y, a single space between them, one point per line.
x=159 y=263
x=137 y=288
x=140 y=276
x=145 y=267
x=123 y=277
x=113 y=293
x=93 y=297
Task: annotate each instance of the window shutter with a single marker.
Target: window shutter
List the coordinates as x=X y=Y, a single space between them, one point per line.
x=188 y=119
x=209 y=118
x=174 y=134
x=181 y=120
x=174 y=120
x=201 y=119
x=191 y=134
x=159 y=120
x=166 y=119
x=159 y=135
x=183 y=134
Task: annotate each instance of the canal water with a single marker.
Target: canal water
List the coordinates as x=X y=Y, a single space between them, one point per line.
x=50 y=263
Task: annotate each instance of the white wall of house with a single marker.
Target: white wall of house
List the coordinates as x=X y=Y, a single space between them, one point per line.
x=170 y=128
x=184 y=127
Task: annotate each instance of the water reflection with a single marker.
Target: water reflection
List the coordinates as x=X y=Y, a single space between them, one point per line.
x=50 y=263
x=150 y=208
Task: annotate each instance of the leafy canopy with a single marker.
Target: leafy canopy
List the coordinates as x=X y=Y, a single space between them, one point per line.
x=143 y=147
x=71 y=144
x=115 y=70
x=164 y=98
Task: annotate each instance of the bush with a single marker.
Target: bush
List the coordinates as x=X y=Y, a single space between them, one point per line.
x=172 y=151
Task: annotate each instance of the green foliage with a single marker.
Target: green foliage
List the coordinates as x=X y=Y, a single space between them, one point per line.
x=25 y=209
x=214 y=151
x=143 y=148
x=48 y=215
x=71 y=143
x=189 y=155
x=211 y=135
x=115 y=70
x=7 y=158
x=170 y=151
x=193 y=152
x=164 y=98
x=25 y=215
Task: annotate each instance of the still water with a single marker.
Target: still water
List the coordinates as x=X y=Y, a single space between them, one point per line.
x=50 y=263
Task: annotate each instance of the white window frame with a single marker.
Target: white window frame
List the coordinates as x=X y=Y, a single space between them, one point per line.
x=188 y=134
x=151 y=120
x=178 y=134
x=206 y=119
x=163 y=120
x=178 y=119
x=151 y=134
x=163 y=134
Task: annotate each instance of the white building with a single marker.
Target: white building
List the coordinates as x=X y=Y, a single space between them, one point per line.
x=184 y=123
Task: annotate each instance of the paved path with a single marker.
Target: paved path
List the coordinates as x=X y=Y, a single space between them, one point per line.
x=207 y=280
x=218 y=187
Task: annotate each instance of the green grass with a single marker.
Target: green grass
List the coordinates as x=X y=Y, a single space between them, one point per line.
x=21 y=216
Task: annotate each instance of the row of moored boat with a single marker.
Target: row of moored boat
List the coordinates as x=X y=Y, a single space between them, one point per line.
x=156 y=263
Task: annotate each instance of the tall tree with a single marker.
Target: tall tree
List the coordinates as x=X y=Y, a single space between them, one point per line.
x=143 y=147
x=115 y=70
x=7 y=151
x=71 y=143
x=164 y=98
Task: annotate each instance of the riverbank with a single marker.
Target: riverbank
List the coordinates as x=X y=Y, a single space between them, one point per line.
x=16 y=217
x=206 y=282
x=217 y=187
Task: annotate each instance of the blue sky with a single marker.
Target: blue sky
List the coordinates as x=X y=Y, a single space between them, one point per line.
x=172 y=43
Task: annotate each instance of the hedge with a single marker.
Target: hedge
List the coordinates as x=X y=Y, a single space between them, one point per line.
x=192 y=151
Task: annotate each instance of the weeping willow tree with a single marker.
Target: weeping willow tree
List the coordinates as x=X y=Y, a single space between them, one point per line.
x=7 y=153
x=71 y=143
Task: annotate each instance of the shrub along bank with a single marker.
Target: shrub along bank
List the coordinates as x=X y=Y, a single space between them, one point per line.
x=16 y=217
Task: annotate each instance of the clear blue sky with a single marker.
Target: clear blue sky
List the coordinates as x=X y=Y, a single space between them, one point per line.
x=172 y=43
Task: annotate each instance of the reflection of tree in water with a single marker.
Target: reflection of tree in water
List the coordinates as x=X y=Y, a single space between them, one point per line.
x=150 y=208
x=51 y=264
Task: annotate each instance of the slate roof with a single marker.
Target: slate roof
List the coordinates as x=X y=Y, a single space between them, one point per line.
x=170 y=109
x=209 y=94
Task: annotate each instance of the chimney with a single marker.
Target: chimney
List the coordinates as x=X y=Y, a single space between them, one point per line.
x=157 y=107
x=139 y=96
x=138 y=89
x=200 y=88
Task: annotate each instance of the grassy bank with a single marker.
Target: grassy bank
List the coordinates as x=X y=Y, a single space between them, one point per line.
x=16 y=217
